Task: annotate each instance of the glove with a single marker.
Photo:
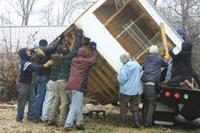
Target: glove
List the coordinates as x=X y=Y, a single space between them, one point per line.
x=39 y=52
x=93 y=45
x=48 y=63
x=86 y=41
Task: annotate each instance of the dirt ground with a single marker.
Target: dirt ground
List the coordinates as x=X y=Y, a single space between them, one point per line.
x=93 y=125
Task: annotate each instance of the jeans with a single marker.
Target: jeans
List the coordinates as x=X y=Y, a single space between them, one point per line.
x=41 y=91
x=75 y=111
x=31 y=99
x=50 y=93
x=22 y=92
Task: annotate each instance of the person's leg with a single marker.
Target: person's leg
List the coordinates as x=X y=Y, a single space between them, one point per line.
x=51 y=86
x=123 y=100
x=72 y=111
x=150 y=98
x=79 y=104
x=41 y=91
x=55 y=105
x=22 y=91
x=64 y=103
x=134 y=108
x=31 y=99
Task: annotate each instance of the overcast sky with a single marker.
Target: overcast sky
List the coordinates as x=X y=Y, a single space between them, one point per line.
x=36 y=16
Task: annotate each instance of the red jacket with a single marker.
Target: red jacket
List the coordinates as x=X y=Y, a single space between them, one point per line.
x=79 y=67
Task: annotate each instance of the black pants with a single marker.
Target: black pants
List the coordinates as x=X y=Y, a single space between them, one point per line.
x=149 y=104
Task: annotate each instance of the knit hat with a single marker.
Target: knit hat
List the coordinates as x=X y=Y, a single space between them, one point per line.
x=124 y=58
x=43 y=43
x=154 y=49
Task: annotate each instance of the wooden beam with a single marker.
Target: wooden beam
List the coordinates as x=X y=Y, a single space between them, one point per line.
x=116 y=14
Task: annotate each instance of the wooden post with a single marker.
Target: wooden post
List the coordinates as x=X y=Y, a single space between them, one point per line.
x=164 y=40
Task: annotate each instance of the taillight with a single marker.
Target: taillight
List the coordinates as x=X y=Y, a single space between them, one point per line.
x=185 y=96
x=167 y=94
x=177 y=95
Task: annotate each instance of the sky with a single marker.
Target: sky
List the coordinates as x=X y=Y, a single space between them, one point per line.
x=34 y=19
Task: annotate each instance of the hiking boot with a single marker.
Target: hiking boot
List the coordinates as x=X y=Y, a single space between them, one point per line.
x=68 y=128
x=19 y=120
x=136 y=120
x=80 y=127
x=122 y=120
x=51 y=123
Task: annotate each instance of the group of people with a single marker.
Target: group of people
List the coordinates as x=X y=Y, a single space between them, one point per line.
x=58 y=75
x=132 y=77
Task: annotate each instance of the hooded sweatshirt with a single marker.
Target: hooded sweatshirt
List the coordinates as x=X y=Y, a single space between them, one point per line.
x=182 y=61
x=80 y=65
x=129 y=78
x=26 y=67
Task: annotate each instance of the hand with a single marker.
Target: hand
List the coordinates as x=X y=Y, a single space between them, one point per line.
x=48 y=63
x=93 y=45
x=39 y=52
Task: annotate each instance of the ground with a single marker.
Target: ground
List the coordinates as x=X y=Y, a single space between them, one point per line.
x=93 y=125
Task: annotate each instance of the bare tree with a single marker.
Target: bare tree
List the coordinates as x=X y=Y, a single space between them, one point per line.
x=184 y=14
x=155 y=2
x=23 y=9
x=47 y=13
x=68 y=8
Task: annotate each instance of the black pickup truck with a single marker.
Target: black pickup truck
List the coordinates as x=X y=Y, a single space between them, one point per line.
x=175 y=104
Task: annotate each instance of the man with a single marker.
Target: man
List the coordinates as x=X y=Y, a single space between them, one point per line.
x=51 y=85
x=182 y=66
x=129 y=80
x=151 y=77
x=25 y=77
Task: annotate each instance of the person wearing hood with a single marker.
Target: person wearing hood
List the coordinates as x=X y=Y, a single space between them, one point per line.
x=151 y=78
x=129 y=81
x=25 y=77
x=182 y=67
x=79 y=67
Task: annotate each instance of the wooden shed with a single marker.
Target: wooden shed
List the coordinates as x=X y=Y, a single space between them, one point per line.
x=120 y=26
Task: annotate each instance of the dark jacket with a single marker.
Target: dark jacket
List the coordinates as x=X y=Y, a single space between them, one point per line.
x=79 y=67
x=26 y=67
x=55 y=68
x=85 y=80
x=42 y=60
x=66 y=60
x=65 y=64
x=182 y=62
x=152 y=68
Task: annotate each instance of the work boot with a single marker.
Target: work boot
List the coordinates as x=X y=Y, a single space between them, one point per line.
x=136 y=120
x=122 y=120
x=51 y=123
x=149 y=116
x=80 y=127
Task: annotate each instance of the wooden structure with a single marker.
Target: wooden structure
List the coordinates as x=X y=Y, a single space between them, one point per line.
x=120 y=26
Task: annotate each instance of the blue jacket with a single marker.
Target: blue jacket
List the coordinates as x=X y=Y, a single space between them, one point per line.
x=26 y=67
x=129 y=78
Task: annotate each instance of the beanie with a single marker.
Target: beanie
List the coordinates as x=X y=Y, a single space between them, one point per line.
x=43 y=43
x=124 y=58
x=154 y=49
